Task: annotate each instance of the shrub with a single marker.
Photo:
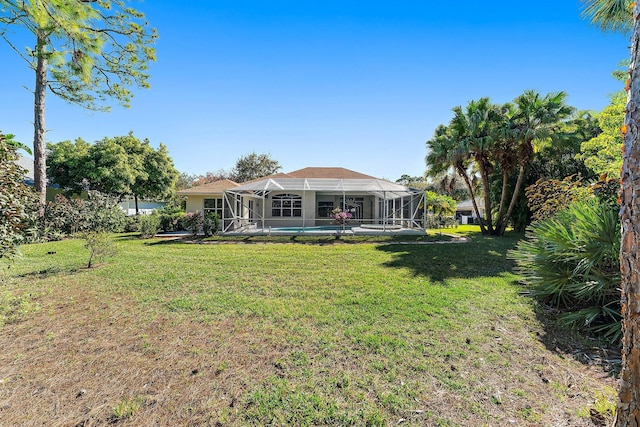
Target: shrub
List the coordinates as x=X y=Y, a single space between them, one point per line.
x=570 y=261
x=100 y=246
x=15 y=196
x=193 y=221
x=172 y=221
x=547 y=197
x=132 y=224
x=211 y=223
x=149 y=226
x=67 y=216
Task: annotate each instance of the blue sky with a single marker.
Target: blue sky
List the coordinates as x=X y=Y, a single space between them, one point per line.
x=356 y=84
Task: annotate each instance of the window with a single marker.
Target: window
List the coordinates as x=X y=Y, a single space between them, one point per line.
x=213 y=206
x=324 y=209
x=287 y=205
x=354 y=205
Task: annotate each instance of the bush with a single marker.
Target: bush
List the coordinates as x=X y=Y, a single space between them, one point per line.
x=440 y=221
x=149 y=226
x=15 y=196
x=172 y=221
x=132 y=224
x=570 y=261
x=211 y=224
x=100 y=246
x=65 y=217
x=548 y=197
x=193 y=221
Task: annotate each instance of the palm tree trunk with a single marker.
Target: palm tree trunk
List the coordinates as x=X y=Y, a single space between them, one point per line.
x=503 y=198
x=464 y=176
x=39 y=153
x=484 y=175
x=628 y=408
x=502 y=226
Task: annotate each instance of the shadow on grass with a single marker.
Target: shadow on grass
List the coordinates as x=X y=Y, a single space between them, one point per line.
x=49 y=272
x=480 y=257
x=562 y=339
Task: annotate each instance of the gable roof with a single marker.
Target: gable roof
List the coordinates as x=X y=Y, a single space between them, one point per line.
x=216 y=187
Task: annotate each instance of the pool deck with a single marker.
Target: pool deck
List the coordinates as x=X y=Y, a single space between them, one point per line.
x=353 y=231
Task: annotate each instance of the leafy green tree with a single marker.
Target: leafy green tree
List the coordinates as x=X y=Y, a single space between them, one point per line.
x=253 y=166
x=157 y=176
x=603 y=153
x=85 y=52
x=440 y=204
x=119 y=166
x=15 y=198
x=407 y=179
x=68 y=166
x=548 y=197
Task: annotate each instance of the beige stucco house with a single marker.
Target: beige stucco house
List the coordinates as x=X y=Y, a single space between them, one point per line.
x=207 y=197
x=306 y=197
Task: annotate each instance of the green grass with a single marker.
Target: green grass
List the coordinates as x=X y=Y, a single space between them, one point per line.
x=349 y=334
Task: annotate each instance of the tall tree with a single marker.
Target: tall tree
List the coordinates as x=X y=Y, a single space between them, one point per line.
x=85 y=52
x=474 y=128
x=444 y=153
x=535 y=119
x=253 y=166
x=618 y=15
x=628 y=408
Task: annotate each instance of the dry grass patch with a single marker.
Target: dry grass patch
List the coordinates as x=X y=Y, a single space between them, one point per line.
x=234 y=335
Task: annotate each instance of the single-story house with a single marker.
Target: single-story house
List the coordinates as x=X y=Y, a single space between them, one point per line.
x=306 y=198
x=208 y=197
x=465 y=212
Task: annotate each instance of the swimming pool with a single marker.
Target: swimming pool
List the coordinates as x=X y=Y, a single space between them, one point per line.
x=314 y=229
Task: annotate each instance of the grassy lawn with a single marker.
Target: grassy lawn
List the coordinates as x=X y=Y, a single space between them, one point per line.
x=321 y=333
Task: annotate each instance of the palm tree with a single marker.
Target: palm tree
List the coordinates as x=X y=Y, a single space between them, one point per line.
x=611 y=15
x=618 y=15
x=534 y=119
x=444 y=153
x=475 y=130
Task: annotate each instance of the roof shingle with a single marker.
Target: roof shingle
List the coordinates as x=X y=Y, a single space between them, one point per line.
x=216 y=187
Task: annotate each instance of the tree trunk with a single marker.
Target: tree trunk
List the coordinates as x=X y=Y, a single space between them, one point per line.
x=39 y=153
x=502 y=226
x=464 y=176
x=486 y=189
x=135 y=197
x=628 y=408
x=503 y=196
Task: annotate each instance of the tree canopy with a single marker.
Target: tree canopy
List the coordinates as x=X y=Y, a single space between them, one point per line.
x=85 y=52
x=603 y=153
x=118 y=166
x=253 y=166
x=484 y=137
